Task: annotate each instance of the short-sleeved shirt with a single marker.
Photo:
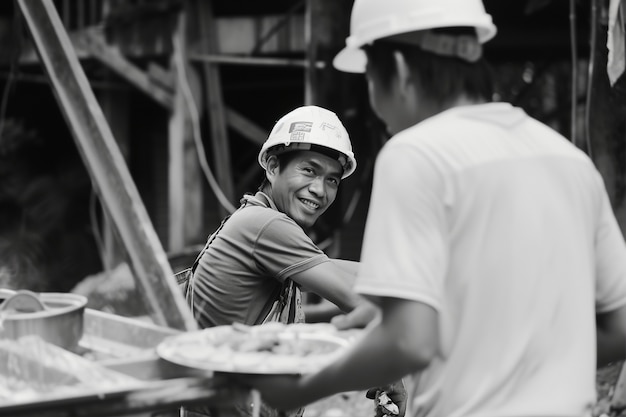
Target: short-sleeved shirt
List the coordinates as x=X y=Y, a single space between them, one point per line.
x=505 y=229
x=243 y=269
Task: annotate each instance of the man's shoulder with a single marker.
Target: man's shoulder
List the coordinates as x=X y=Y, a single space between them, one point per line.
x=255 y=214
x=259 y=217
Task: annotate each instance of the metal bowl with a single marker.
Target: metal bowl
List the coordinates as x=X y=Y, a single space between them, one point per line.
x=60 y=323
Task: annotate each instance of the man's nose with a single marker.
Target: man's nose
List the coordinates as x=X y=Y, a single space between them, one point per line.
x=318 y=187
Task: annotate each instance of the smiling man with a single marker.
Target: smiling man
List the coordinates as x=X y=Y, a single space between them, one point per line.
x=306 y=186
x=254 y=266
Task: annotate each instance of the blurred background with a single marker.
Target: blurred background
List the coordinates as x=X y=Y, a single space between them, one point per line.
x=190 y=89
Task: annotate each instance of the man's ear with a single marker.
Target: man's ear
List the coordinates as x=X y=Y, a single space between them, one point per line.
x=272 y=168
x=402 y=72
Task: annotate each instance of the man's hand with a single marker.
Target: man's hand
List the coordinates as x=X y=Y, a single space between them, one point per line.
x=390 y=400
x=361 y=316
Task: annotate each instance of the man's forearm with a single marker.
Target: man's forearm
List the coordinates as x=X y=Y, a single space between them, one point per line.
x=323 y=311
x=374 y=361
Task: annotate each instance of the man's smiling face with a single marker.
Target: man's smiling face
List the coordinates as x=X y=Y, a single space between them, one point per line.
x=305 y=186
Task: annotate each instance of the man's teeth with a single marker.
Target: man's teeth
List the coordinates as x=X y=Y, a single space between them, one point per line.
x=311 y=204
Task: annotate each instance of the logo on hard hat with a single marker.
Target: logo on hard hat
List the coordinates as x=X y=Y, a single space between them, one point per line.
x=300 y=126
x=299 y=131
x=328 y=126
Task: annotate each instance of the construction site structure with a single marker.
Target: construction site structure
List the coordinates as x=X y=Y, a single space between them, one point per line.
x=169 y=101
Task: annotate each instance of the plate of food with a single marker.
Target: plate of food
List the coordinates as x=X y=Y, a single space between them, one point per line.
x=271 y=348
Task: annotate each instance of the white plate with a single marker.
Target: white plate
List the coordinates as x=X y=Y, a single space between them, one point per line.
x=295 y=349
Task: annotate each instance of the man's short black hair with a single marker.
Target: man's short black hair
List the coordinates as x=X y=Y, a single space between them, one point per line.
x=442 y=78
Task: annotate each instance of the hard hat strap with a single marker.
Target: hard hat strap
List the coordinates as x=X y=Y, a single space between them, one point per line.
x=465 y=47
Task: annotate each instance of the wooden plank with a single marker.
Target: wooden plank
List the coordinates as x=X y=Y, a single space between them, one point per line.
x=245 y=126
x=277 y=27
x=203 y=10
x=140 y=334
x=177 y=132
x=28 y=54
x=252 y=61
x=113 y=59
x=106 y=165
x=161 y=76
x=162 y=396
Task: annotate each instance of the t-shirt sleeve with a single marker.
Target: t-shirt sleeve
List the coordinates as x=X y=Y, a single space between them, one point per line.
x=283 y=249
x=404 y=252
x=610 y=260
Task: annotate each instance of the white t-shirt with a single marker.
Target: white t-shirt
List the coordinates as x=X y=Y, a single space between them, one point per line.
x=505 y=228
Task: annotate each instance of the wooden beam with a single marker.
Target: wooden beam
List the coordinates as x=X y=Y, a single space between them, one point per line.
x=28 y=53
x=185 y=191
x=106 y=165
x=253 y=60
x=177 y=136
x=215 y=101
x=176 y=192
x=161 y=76
x=246 y=127
x=113 y=59
x=324 y=36
x=327 y=24
x=282 y=22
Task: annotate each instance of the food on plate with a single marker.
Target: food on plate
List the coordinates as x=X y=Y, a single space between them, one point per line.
x=266 y=348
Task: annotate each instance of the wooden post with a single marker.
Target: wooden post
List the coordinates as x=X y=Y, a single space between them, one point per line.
x=184 y=175
x=112 y=58
x=106 y=165
x=215 y=101
x=327 y=25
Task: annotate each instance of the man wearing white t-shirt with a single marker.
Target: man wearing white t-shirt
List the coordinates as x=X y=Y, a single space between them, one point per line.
x=490 y=244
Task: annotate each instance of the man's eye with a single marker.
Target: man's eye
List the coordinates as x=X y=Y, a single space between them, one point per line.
x=333 y=181
x=308 y=170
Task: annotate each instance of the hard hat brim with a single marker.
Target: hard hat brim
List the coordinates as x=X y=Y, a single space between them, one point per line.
x=353 y=59
x=350 y=59
x=348 y=164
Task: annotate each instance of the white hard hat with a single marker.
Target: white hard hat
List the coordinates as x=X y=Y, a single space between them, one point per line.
x=310 y=128
x=373 y=19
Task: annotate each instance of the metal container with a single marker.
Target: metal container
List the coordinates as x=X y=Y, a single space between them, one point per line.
x=61 y=322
